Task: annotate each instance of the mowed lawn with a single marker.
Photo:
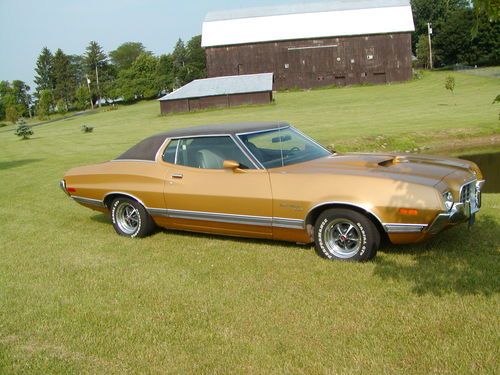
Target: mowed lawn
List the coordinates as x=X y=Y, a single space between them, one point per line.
x=77 y=298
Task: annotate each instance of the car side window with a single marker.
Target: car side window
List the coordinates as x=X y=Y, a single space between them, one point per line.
x=210 y=153
x=169 y=153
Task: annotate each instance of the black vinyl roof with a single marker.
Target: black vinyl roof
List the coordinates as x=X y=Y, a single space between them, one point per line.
x=147 y=148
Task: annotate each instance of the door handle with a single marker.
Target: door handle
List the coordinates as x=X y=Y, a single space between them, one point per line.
x=177 y=175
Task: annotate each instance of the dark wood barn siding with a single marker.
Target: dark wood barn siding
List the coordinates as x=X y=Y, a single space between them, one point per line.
x=319 y=62
x=219 y=101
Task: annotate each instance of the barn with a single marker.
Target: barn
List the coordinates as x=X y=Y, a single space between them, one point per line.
x=308 y=45
x=220 y=92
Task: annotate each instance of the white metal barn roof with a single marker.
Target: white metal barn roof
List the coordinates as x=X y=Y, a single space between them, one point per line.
x=228 y=85
x=304 y=21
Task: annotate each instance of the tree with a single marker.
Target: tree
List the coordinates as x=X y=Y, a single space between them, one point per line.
x=23 y=130
x=11 y=114
x=44 y=77
x=64 y=83
x=82 y=97
x=124 y=56
x=45 y=104
x=489 y=8
x=454 y=43
x=196 y=59
x=140 y=81
x=423 y=51
x=165 y=73
x=96 y=63
x=20 y=91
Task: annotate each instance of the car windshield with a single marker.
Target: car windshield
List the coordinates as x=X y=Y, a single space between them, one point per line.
x=281 y=147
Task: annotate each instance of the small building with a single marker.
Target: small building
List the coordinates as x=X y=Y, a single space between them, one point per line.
x=307 y=45
x=227 y=91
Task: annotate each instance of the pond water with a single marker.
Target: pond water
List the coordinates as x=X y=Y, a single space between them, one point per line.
x=490 y=166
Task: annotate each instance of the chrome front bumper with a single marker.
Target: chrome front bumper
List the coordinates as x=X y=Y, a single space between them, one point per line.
x=460 y=212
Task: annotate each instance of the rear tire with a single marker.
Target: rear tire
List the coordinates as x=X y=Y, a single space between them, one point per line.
x=346 y=235
x=130 y=218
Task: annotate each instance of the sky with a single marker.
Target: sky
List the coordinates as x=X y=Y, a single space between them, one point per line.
x=26 y=26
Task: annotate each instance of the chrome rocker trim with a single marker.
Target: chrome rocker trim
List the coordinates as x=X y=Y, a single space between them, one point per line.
x=93 y=202
x=263 y=221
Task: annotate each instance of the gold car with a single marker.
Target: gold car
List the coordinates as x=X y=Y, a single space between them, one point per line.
x=268 y=180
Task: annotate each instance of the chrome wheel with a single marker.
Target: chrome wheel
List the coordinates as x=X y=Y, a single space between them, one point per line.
x=343 y=238
x=127 y=218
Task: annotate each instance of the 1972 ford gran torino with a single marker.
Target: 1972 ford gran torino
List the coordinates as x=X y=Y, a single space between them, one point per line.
x=268 y=180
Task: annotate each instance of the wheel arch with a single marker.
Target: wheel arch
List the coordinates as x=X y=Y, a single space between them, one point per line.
x=110 y=197
x=314 y=213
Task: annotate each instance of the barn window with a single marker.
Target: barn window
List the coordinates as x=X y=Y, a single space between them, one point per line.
x=338 y=59
x=287 y=66
x=352 y=61
x=369 y=57
x=364 y=74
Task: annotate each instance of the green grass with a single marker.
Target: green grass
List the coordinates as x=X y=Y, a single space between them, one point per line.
x=76 y=298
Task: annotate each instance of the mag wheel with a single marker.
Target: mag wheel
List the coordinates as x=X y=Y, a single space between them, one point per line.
x=130 y=218
x=346 y=235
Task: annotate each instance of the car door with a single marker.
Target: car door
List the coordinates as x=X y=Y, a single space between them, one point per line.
x=202 y=195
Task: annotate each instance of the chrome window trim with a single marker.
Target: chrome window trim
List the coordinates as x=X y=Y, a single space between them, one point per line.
x=250 y=159
x=265 y=221
x=133 y=160
x=312 y=140
x=161 y=150
x=265 y=130
x=93 y=202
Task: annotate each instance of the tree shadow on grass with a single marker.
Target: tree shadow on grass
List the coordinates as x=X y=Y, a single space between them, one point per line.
x=17 y=163
x=462 y=261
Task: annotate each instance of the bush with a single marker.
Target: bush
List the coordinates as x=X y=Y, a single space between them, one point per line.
x=3 y=124
x=449 y=83
x=23 y=130
x=87 y=129
x=11 y=114
x=62 y=108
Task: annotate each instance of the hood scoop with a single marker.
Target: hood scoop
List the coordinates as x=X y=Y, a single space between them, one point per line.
x=393 y=160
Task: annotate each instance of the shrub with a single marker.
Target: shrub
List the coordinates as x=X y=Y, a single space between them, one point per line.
x=11 y=114
x=87 y=129
x=449 y=83
x=2 y=124
x=23 y=130
x=62 y=108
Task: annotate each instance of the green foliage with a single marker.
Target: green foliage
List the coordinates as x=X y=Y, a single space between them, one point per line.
x=454 y=44
x=87 y=129
x=63 y=80
x=23 y=130
x=45 y=104
x=97 y=68
x=82 y=97
x=44 y=78
x=15 y=95
x=140 y=81
x=3 y=124
x=423 y=51
x=124 y=56
x=449 y=83
x=11 y=114
x=62 y=107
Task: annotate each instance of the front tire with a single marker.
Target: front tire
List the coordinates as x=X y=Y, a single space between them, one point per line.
x=130 y=218
x=345 y=235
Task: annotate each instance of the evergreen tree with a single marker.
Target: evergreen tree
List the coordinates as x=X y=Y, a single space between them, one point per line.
x=45 y=104
x=64 y=84
x=96 y=63
x=44 y=78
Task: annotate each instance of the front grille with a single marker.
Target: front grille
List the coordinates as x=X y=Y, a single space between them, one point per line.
x=467 y=192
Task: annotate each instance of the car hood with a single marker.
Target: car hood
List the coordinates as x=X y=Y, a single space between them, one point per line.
x=422 y=169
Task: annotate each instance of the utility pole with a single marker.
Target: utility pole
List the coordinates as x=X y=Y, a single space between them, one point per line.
x=98 y=88
x=429 y=32
x=90 y=93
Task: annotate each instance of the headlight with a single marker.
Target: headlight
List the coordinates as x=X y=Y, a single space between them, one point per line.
x=448 y=200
